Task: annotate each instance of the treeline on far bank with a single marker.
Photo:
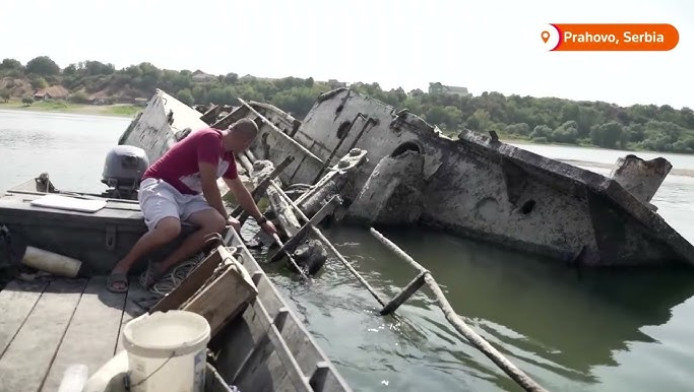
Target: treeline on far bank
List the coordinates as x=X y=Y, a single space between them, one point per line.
x=541 y=120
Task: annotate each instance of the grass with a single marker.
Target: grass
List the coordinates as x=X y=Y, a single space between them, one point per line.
x=121 y=110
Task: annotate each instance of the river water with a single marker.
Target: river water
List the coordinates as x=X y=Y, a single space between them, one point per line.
x=570 y=330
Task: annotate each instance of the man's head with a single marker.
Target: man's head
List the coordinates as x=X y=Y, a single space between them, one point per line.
x=240 y=135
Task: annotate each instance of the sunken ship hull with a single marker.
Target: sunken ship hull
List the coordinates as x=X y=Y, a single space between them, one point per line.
x=474 y=185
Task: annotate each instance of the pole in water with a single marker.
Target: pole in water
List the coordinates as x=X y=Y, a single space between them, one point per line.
x=291 y=259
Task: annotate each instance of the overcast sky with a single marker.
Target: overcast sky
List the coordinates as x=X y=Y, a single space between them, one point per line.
x=483 y=45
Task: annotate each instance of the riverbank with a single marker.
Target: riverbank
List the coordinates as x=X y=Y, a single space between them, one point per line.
x=121 y=110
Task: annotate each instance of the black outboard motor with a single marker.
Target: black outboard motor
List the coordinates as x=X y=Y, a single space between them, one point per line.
x=123 y=171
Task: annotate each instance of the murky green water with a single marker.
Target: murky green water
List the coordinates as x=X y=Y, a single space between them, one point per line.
x=571 y=330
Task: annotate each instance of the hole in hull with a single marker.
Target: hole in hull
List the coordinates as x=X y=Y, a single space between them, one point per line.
x=407 y=146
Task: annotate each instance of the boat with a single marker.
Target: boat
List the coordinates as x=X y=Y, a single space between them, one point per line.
x=259 y=345
x=473 y=185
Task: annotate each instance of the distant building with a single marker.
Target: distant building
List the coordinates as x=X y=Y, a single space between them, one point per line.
x=455 y=90
x=334 y=83
x=199 y=76
x=53 y=92
x=99 y=98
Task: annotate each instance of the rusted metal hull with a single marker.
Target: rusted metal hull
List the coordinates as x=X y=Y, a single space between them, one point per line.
x=474 y=185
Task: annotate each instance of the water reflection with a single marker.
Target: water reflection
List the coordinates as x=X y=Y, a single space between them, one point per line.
x=71 y=148
x=557 y=323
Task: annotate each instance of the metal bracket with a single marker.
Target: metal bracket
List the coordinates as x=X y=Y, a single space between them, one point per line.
x=110 y=237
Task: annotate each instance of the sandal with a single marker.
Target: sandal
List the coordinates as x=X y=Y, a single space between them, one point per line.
x=151 y=275
x=117 y=283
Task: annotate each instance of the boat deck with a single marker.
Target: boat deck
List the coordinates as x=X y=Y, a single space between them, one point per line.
x=50 y=324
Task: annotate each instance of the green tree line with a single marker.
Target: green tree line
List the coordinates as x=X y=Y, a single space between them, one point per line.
x=541 y=120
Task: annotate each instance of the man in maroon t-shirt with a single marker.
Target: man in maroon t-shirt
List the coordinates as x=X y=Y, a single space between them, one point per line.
x=182 y=185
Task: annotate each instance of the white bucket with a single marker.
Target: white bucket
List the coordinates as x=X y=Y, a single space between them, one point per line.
x=167 y=351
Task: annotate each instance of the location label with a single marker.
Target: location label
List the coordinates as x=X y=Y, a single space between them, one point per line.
x=545 y=36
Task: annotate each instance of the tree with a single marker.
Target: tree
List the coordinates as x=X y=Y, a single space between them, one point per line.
x=98 y=68
x=27 y=101
x=521 y=129
x=185 y=96
x=566 y=133
x=5 y=95
x=42 y=66
x=480 y=120
x=11 y=64
x=541 y=133
x=231 y=78
x=606 y=135
x=70 y=70
x=79 y=97
x=38 y=82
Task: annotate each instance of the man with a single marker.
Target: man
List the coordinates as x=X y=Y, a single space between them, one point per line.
x=182 y=185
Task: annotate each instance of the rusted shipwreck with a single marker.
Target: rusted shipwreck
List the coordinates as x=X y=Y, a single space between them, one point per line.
x=473 y=185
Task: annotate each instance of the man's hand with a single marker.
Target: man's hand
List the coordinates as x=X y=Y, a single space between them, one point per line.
x=269 y=228
x=234 y=223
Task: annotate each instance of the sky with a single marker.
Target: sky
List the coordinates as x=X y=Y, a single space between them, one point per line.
x=482 y=45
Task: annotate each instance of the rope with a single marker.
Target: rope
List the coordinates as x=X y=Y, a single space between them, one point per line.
x=128 y=386
x=171 y=280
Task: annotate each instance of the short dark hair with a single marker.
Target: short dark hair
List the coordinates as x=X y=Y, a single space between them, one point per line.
x=246 y=127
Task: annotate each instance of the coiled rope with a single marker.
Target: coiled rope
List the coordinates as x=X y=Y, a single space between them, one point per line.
x=172 y=279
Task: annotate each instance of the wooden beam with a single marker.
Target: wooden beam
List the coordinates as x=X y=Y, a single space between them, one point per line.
x=278 y=131
x=405 y=294
x=190 y=285
x=316 y=219
x=261 y=188
x=487 y=349
x=223 y=298
x=26 y=362
x=92 y=333
x=17 y=300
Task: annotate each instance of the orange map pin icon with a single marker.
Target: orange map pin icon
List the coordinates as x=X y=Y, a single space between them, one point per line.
x=545 y=36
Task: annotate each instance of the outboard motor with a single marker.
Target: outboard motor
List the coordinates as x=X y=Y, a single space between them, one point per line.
x=123 y=171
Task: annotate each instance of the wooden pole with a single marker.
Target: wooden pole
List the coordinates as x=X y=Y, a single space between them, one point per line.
x=405 y=294
x=259 y=190
x=487 y=349
x=279 y=132
x=291 y=259
x=315 y=219
x=326 y=242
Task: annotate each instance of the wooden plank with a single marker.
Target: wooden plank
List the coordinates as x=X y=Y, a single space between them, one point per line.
x=299 y=345
x=268 y=296
x=28 y=358
x=17 y=300
x=132 y=309
x=316 y=219
x=190 y=285
x=225 y=296
x=262 y=368
x=297 y=378
x=92 y=335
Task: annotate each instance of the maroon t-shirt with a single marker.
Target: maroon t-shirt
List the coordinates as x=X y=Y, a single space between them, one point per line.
x=179 y=165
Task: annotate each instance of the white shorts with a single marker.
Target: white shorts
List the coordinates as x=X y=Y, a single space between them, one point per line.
x=159 y=199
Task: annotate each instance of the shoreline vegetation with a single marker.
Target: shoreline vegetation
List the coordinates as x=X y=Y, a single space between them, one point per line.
x=116 y=110
x=93 y=87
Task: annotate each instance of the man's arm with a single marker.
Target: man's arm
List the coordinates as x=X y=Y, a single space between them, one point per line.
x=208 y=178
x=244 y=197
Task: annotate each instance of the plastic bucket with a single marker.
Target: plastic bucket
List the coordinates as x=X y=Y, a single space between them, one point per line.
x=167 y=351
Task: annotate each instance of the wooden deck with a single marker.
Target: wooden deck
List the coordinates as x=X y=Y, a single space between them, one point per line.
x=49 y=325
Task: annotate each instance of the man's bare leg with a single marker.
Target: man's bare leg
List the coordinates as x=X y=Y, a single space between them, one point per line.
x=166 y=230
x=209 y=221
